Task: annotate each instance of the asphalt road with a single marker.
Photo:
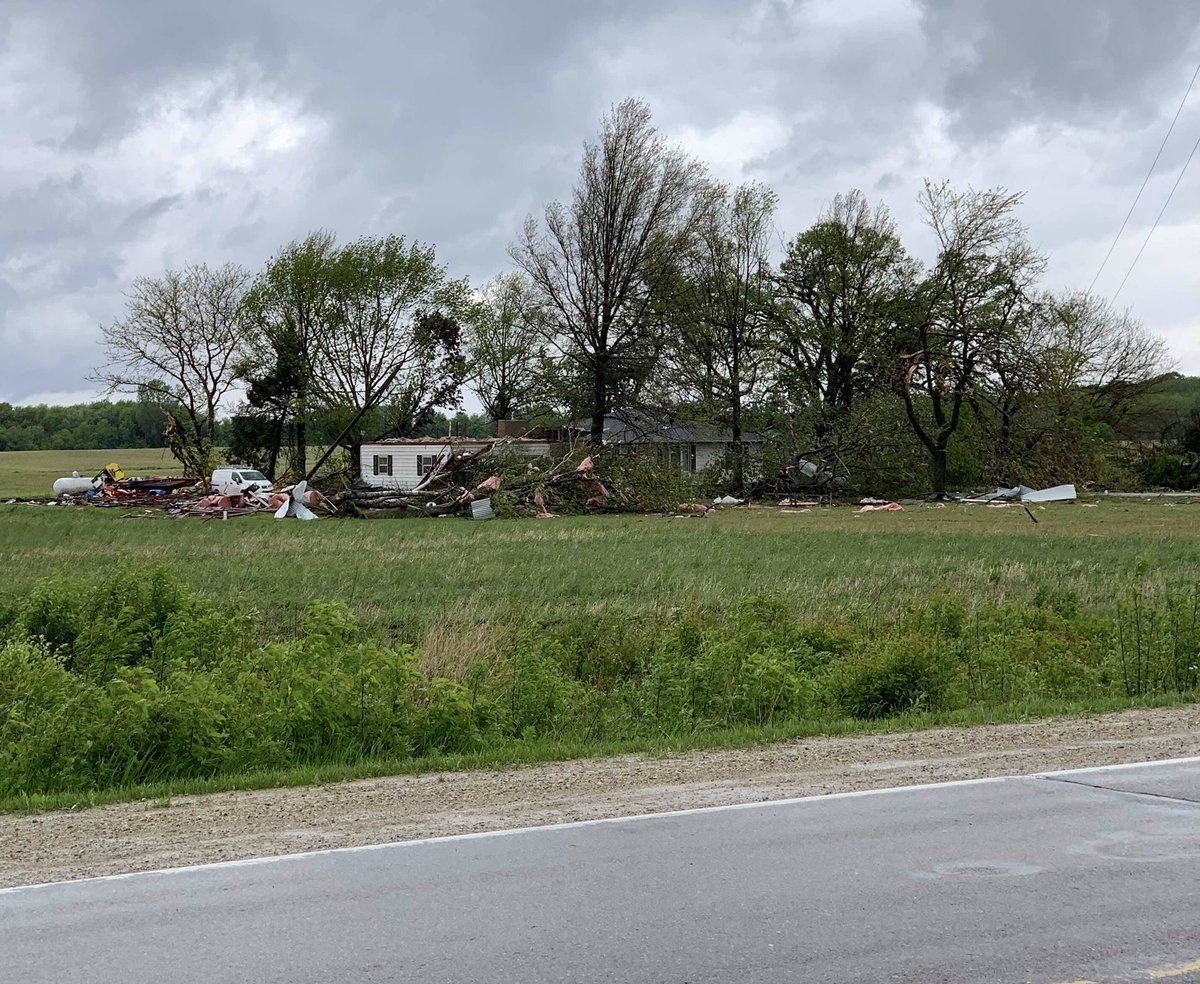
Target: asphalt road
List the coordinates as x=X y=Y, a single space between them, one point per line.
x=1083 y=876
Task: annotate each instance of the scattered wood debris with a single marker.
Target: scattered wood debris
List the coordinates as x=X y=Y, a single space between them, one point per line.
x=477 y=474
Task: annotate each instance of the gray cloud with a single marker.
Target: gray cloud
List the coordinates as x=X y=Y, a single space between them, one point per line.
x=141 y=134
x=1062 y=61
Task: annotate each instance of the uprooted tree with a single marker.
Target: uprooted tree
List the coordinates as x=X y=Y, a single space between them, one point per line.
x=180 y=340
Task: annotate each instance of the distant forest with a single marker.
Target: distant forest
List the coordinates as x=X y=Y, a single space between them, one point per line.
x=140 y=424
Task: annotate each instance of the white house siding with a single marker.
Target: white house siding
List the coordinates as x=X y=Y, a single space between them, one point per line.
x=405 y=473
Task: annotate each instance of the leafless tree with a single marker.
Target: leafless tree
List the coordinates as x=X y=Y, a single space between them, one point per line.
x=181 y=339
x=602 y=263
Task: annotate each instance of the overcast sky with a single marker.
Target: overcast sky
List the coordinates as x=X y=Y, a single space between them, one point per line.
x=141 y=134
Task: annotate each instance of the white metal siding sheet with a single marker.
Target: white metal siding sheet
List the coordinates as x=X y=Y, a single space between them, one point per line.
x=404 y=461
x=404 y=474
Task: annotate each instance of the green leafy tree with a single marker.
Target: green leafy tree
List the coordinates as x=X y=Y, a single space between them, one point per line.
x=505 y=347
x=966 y=308
x=288 y=311
x=393 y=340
x=840 y=286
x=720 y=352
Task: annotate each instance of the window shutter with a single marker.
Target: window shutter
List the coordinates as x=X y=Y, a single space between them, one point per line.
x=389 y=464
x=374 y=464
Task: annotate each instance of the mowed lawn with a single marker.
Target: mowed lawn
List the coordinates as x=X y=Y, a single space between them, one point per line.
x=25 y=474
x=453 y=585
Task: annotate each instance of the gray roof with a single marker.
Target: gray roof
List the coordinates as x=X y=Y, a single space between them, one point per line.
x=640 y=427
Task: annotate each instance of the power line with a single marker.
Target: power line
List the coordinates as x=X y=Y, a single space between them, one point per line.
x=1145 y=180
x=1160 y=215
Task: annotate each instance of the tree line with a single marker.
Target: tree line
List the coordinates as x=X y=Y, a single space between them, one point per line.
x=102 y=424
x=654 y=286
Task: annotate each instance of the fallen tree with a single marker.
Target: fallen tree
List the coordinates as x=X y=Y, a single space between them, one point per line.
x=496 y=473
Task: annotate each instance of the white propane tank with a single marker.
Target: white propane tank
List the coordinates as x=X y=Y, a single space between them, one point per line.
x=73 y=485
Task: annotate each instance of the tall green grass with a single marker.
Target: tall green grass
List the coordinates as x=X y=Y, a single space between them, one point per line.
x=452 y=586
x=136 y=680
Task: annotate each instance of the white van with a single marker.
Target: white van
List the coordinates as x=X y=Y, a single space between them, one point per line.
x=236 y=479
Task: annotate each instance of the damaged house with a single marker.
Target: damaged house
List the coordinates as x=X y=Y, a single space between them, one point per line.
x=691 y=447
x=404 y=463
x=443 y=475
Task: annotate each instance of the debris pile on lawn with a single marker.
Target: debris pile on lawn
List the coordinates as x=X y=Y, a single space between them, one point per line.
x=803 y=475
x=1023 y=493
x=292 y=501
x=477 y=479
x=112 y=488
x=868 y=507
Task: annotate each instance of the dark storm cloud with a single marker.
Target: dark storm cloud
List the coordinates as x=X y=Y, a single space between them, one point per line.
x=141 y=134
x=1077 y=61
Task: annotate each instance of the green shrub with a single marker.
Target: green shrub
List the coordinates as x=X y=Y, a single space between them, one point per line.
x=538 y=692
x=1172 y=471
x=450 y=723
x=894 y=677
x=138 y=680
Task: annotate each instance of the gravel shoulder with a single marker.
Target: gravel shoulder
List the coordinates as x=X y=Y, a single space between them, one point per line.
x=227 y=826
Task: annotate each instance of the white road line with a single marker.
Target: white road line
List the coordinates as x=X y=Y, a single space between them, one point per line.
x=579 y=824
x=1188 y=760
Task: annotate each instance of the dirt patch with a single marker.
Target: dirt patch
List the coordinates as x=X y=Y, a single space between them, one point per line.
x=226 y=826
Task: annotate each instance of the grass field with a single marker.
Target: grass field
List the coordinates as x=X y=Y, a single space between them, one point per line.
x=967 y=613
x=456 y=582
x=25 y=474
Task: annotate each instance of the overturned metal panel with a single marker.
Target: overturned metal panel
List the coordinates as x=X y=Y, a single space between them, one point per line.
x=1059 y=493
x=1023 y=493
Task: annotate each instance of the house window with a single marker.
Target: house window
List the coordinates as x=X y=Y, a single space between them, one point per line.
x=682 y=456
x=426 y=464
x=383 y=464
